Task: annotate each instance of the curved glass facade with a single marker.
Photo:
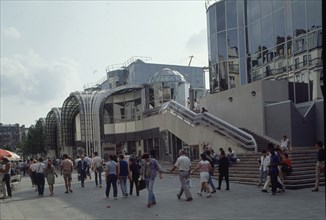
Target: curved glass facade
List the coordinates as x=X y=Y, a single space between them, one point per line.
x=250 y=40
x=168 y=84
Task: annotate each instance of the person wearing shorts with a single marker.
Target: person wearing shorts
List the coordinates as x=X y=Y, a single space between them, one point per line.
x=66 y=170
x=204 y=167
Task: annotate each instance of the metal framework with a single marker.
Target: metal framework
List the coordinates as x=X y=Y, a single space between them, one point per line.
x=53 y=130
x=90 y=106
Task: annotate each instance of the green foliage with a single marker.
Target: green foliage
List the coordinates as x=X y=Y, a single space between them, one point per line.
x=6 y=147
x=35 y=142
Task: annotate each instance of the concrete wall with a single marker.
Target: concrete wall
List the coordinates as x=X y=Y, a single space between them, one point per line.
x=278 y=120
x=303 y=127
x=246 y=110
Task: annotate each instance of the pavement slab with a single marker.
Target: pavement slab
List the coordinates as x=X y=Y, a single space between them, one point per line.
x=241 y=202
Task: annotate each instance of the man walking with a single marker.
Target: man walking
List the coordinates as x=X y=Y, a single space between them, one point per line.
x=183 y=164
x=273 y=168
x=98 y=165
x=66 y=170
x=40 y=167
x=223 y=170
x=81 y=168
x=148 y=172
x=123 y=174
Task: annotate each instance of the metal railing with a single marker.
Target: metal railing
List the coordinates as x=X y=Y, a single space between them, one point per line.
x=195 y=119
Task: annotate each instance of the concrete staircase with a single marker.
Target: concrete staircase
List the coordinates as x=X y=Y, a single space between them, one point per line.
x=262 y=143
x=246 y=171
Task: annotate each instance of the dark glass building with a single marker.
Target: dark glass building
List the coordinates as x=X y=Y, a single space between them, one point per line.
x=250 y=40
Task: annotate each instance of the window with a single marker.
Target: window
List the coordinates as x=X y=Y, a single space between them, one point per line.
x=304 y=60
x=296 y=63
x=309 y=59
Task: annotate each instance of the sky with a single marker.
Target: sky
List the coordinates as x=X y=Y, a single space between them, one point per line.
x=52 y=48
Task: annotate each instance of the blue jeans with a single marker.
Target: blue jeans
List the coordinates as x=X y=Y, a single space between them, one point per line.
x=210 y=181
x=123 y=185
x=98 y=173
x=149 y=186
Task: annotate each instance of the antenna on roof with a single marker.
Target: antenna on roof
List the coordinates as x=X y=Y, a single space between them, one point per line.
x=192 y=56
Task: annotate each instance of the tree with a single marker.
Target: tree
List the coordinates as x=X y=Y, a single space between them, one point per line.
x=35 y=139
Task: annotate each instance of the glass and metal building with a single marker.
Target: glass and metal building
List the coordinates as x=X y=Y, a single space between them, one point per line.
x=107 y=116
x=169 y=84
x=250 y=40
x=136 y=72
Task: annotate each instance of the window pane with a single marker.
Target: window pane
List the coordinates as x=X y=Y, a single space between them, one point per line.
x=233 y=41
x=220 y=13
x=233 y=57
x=212 y=20
x=223 y=76
x=277 y=4
x=314 y=14
x=255 y=37
x=288 y=18
x=267 y=31
x=242 y=43
x=299 y=17
x=221 y=46
x=279 y=25
x=213 y=79
x=231 y=11
x=240 y=9
x=266 y=7
x=214 y=48
x=254 y=10
x=243 y=77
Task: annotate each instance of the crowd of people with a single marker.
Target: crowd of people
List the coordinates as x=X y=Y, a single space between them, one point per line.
x=274 y=164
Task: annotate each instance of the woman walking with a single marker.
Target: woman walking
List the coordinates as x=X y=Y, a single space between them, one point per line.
x=204 y=167
x=50 y=175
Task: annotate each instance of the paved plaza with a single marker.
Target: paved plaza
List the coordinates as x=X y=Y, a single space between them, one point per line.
x=241 y=202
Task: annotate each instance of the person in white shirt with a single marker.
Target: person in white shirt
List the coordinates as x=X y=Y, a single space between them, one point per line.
x=40 y=180
x=195 y=108
x=188 y=103
x=89 y=167
x=285 y=144
x=183 y=164
x=32 y=171
x=231 y=155
x=98 y=169
x=263 y=168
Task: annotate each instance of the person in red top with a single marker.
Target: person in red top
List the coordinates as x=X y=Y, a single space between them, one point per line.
x=286 y=164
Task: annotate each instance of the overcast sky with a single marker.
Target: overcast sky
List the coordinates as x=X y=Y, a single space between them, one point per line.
x=52 y=48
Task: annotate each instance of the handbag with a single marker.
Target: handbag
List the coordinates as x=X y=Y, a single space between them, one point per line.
x=142 y=184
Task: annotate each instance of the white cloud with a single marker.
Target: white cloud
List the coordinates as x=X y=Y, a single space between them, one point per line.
x=33 y=80
x=197 y=41
x=196 y=45
x=11 y=33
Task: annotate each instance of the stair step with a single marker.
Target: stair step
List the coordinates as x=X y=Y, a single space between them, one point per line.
x=246 y=171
